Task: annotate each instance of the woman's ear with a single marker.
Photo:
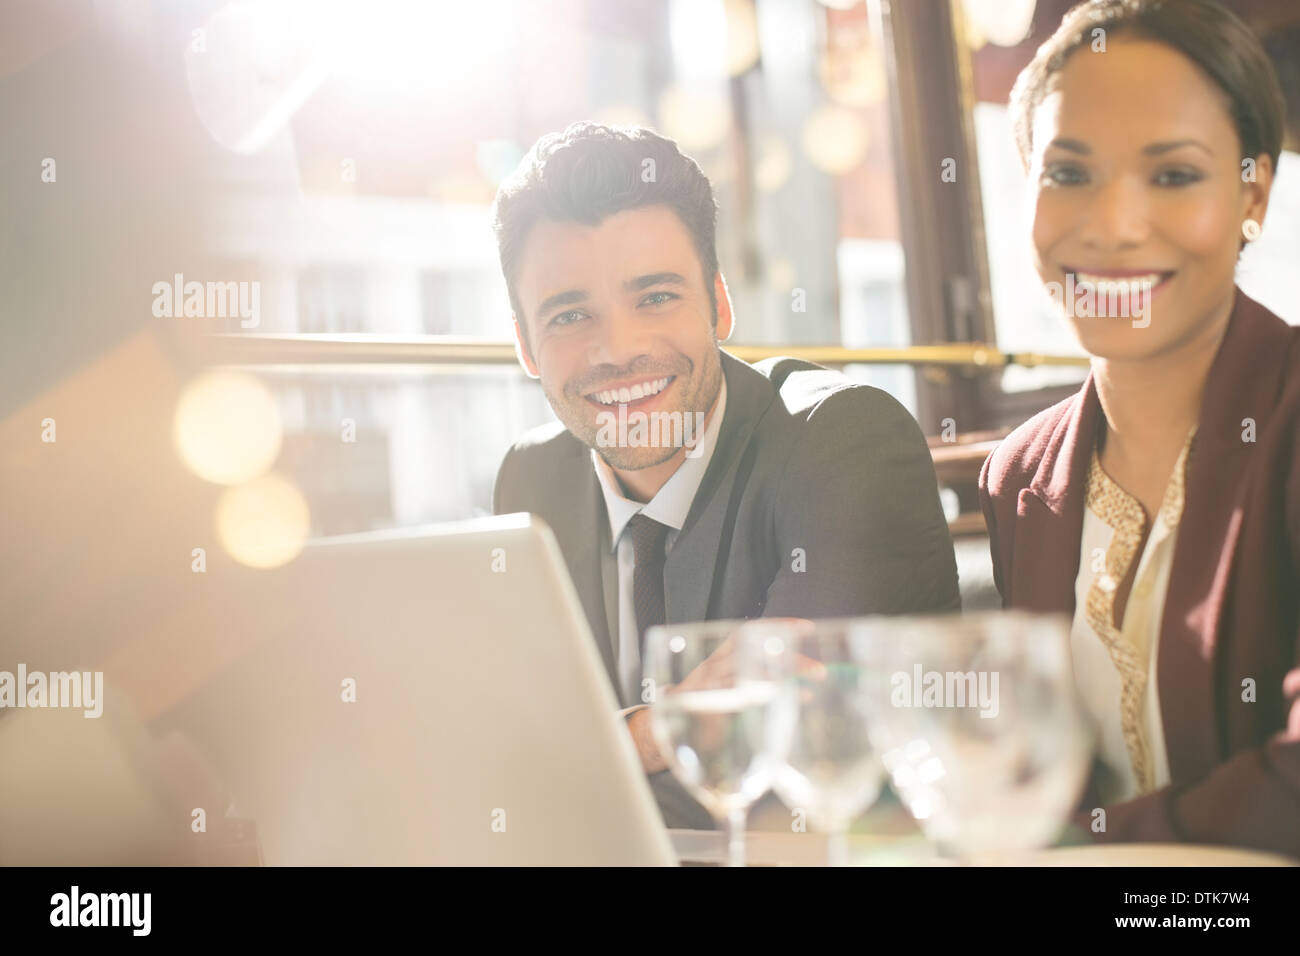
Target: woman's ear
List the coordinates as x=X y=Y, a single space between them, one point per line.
x=1257 y=186
x=726 y=319
x=522 y=352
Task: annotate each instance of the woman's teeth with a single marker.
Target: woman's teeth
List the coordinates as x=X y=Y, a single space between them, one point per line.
x=621 y=396
x=1129 y=285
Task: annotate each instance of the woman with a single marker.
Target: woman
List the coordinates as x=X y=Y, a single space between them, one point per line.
x=1160 y=505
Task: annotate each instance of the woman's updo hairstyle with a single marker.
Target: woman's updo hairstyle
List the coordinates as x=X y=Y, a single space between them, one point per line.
x=1208 y=34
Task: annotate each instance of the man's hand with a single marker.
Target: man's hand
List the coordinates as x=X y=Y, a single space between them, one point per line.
x=638 y=725
x=717 y=670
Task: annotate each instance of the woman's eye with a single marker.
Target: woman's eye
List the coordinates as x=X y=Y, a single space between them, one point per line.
x=658 y=298
x=1063 y=175
x=1177 y=177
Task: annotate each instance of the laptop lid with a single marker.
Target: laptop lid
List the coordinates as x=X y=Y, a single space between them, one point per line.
x=431 y=696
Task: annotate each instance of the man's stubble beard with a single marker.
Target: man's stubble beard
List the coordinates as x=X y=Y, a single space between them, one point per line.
x=635 y=459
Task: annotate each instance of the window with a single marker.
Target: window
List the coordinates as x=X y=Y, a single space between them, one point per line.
x=367 y=216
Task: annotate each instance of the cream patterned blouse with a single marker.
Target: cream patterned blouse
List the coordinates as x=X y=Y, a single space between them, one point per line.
x=1115 y=668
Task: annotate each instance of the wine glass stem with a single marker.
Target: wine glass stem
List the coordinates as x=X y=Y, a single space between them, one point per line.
x=736 y=837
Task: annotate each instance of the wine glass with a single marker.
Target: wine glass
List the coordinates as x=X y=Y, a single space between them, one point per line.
x=825 y=763
x=713 y=690
x=977 y=721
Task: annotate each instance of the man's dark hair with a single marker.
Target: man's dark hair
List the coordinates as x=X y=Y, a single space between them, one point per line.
x=589 y=172
x=1208 y=34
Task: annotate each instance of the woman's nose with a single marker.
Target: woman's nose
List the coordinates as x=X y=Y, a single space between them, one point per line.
x=1116 y=215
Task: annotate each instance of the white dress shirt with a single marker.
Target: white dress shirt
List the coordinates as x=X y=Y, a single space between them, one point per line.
x=1115 y=668
x=669 y=506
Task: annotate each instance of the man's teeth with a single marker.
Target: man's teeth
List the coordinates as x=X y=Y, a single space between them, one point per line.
x=1120 y=287
x=621 y=396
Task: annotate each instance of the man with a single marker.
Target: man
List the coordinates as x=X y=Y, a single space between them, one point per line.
x=681 y=483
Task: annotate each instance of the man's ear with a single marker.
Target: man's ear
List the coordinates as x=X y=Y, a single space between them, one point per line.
x=522 y=352
x=726 y=319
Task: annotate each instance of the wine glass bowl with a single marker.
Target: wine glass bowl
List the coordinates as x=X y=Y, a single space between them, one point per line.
x=824 y=761
x=714 y=690
x=978 y=724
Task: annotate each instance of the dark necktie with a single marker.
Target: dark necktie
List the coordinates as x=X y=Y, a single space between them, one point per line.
x=648 y=538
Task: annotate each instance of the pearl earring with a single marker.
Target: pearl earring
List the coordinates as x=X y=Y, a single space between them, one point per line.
x=1251 y=229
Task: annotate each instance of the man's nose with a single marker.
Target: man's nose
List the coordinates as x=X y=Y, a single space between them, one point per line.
x=619 y=340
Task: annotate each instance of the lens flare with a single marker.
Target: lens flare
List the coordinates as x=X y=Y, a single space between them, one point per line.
x=227 y=429
x=263 y=523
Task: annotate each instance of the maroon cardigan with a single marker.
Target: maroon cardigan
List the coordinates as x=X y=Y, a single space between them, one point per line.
x=1232 y=610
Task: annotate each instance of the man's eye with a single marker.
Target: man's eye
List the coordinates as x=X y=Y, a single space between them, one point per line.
x=1064 y=175
x=658 y=298
x=1177 y=177
x=566 y=318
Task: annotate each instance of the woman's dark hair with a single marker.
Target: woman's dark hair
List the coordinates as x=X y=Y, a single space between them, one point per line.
x=589 y=172
x=1209 y=35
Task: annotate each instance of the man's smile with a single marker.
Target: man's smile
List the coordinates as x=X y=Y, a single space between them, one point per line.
x=632 y=392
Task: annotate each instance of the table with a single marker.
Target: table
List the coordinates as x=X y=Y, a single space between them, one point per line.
x=768 y=848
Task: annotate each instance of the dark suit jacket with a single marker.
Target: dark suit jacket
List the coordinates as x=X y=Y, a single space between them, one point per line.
x=805 y=460
x=1231 y=609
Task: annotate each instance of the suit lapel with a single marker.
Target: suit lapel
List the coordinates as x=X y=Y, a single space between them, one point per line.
x=689 y=571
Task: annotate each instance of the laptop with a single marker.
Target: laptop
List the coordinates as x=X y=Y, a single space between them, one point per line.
x=431 y=696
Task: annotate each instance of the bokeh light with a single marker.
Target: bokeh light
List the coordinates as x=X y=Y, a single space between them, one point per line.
x=263 y=523
x=227 y=428
x=742 y=36
x=835 y=139
x=1000 y=22
x=851 y=69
